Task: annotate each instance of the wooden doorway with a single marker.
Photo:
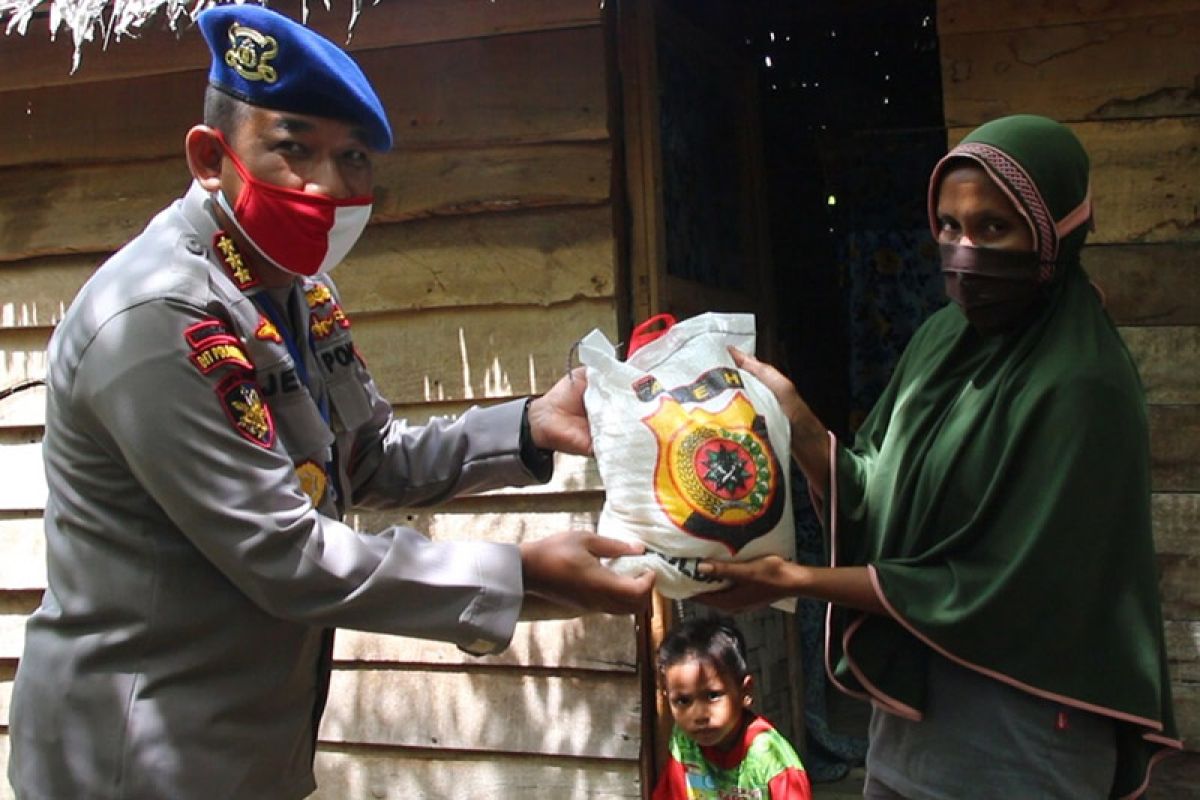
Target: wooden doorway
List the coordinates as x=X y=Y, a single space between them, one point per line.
x=809 y=129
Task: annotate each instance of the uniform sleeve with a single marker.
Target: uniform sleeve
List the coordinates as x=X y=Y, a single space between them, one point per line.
x=395 y=464
x=190 y=425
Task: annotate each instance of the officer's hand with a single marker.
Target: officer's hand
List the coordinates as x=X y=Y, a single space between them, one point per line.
x=565 y=569
x=558 y=420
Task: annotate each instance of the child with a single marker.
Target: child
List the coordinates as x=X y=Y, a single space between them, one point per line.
x=719 y=747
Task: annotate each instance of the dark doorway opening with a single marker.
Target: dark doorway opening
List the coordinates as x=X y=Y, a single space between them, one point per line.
x=849 y=123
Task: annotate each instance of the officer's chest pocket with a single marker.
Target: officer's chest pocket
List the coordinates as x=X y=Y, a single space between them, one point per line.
x=299 y=425
x=346 y=382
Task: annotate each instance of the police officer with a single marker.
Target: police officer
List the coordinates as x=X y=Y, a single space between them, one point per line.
x=208 y=421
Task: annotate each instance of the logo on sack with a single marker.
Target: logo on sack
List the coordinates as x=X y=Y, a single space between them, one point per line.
x=717 y=476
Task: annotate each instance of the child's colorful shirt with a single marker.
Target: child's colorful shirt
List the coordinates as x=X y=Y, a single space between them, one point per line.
x=763 y=765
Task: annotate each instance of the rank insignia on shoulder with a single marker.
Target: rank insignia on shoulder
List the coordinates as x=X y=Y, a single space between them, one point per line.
x=245 y=408
x=213 y=345
x=317 y=294
x=231 y=258
x=312 y=480
x=267 y=332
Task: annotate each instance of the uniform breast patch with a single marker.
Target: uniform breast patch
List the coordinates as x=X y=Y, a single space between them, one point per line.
x=267 y=331
x=312 y=480
x=245 y=408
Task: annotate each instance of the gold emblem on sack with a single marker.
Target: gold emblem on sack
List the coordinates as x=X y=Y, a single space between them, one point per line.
x=312 y=480
x=716 y=475
x=248 y=53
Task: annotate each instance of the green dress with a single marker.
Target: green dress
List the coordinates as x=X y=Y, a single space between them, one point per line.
x=999 y=491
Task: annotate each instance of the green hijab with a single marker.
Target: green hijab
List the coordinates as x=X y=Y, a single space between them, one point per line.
x=999 y=491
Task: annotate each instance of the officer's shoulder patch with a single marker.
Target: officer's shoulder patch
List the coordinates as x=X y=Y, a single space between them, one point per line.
x=245 y=408
x=212 y=345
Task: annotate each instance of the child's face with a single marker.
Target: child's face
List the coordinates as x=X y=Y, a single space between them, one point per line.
x=706 y=703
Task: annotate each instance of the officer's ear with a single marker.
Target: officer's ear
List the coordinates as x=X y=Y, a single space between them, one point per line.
x=204 y=153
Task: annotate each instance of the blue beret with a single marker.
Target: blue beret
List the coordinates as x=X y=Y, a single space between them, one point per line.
x=269 y=60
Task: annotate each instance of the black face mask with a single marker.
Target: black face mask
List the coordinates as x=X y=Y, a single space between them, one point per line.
x=995 y=289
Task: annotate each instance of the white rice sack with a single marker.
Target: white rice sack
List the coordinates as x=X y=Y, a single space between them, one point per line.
x=693 y=452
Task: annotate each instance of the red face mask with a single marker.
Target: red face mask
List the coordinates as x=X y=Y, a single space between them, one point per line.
x=301 y=233
x=994 y=288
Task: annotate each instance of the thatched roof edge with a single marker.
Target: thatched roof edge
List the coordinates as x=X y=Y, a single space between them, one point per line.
x=107 y=21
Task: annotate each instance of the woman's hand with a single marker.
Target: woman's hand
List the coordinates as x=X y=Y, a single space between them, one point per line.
x=756 y=583
x=764 y=580
x=810 y=440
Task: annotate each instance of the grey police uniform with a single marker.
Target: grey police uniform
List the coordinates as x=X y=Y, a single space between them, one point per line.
x=181 y=650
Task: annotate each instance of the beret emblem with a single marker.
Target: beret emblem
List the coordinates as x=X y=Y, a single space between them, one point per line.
x=249 y=53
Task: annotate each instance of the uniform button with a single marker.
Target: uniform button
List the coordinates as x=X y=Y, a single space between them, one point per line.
x=193 y=246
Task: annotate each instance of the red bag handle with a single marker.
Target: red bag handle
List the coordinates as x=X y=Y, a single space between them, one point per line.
x=643 y=335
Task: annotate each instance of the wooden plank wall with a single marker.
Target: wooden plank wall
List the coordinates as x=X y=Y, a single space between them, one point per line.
x=490 y=252
x=1123 y=74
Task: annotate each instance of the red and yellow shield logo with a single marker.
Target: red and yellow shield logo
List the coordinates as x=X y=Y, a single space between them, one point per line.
x=717 y=476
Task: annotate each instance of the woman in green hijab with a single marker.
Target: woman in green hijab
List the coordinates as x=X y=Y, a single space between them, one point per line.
x=992 y=583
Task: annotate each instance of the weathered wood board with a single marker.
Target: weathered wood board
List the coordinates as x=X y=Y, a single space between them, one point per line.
x=1174 y=443
x=455 y=353
x=1153 y=284
x=349 y=774
x=23 y=567
x=595 y=715
x=538 y=257
x=595 y=642
x=1168 y=359
x=1139 y=67
x=967 y=16
x=93 y=210
x=532 y=87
